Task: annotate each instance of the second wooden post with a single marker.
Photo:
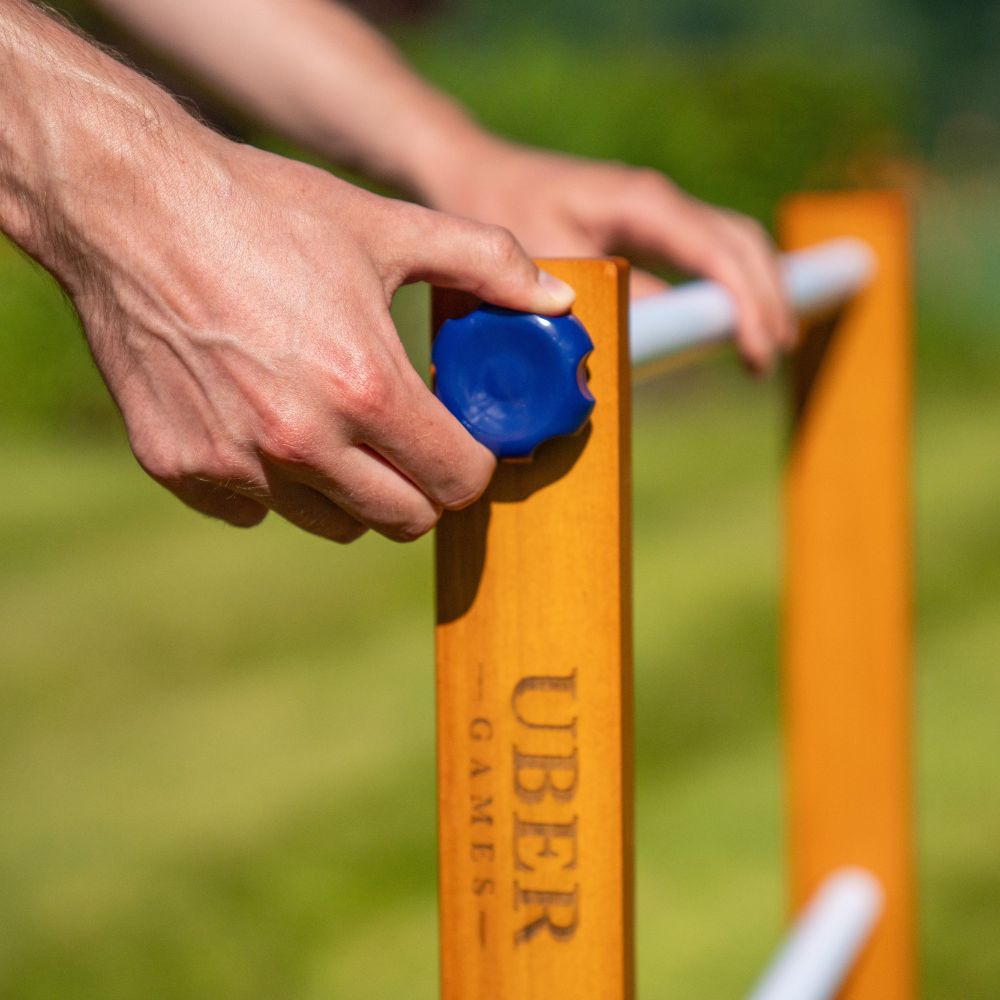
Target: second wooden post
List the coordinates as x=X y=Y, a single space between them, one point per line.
x=848 y=582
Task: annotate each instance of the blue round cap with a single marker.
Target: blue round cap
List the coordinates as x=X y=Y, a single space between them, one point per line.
x=514 y=379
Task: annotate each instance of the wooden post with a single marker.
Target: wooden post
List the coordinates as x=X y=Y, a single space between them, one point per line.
x=848 y=622
x=534 y=699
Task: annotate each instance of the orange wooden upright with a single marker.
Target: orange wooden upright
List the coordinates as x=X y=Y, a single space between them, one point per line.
x=534 y=700
x=847 y=651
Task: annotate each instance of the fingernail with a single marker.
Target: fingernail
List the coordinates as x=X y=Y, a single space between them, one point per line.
x=561 y=294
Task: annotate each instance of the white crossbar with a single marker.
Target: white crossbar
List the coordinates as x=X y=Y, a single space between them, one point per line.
x=702 y=312
x=826 y=939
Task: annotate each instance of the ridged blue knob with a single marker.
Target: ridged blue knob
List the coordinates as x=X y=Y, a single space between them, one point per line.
x=514 y=379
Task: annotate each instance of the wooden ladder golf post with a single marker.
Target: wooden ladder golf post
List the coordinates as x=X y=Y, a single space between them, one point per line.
x=847 y=640
x=534 y=661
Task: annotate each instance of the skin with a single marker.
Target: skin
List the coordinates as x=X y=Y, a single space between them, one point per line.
x=564 y=206
x=236 y=302
x=317 y=72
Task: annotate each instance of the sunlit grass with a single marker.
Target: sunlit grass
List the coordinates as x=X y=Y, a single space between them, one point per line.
x=217 y=768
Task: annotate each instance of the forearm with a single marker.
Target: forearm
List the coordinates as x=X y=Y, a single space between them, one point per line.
x=84 y=141
x=317 y=73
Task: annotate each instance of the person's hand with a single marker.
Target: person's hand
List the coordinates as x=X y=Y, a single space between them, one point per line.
x=237 y=304
x=562 y=206
x=347 y=94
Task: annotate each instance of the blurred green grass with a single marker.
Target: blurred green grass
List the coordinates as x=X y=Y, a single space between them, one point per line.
x=216 y=767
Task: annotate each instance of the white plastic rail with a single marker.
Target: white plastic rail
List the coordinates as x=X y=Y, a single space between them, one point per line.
x=826 y=939
x=701 y=312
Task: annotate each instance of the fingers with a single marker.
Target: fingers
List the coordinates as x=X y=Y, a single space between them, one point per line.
x=738 y=254
x=760 y=275
x=387 y=453
x=421 y=439
x=217 y=501
x=656 y=217
x=760 y=325
x=376 y=495
x=413 y=457
x=742 y=259
x=305 y=508
x=309 y=509
x=755 y=337
x=484 y=260
x=379 y=452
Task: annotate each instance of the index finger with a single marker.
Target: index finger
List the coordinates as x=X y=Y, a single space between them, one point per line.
x=417 y=434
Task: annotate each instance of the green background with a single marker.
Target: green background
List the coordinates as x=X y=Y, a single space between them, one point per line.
x=216 y=747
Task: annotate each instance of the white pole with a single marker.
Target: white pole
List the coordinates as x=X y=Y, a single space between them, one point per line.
x=702 y=312
x=823 y=945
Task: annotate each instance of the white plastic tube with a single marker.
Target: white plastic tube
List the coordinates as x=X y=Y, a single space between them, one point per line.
x=823 y=945
x=702 y=312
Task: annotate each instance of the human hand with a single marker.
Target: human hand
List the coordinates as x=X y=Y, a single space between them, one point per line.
x=349 y=95
x=560 y=205
x=237 y=305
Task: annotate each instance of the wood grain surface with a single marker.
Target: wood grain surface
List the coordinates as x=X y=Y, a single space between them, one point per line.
x=534 y=699
x=847 y=683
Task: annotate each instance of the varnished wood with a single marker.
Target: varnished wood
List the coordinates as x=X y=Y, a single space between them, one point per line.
x=847 y=643
x=534 y=700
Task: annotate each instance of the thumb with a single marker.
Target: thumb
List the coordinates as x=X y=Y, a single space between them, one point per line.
x=485 y=260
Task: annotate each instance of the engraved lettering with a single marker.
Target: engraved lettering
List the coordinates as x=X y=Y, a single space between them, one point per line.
x=561 y=685
x=482 y=852
x=546 y=833
x=547 y=766
x=481 y=730
x=545 y=826
x=548 y=901
x=480 y=805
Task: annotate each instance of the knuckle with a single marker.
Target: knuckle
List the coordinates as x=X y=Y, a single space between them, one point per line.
x=158 y=464
x=366 y=397
x=752 y=231
x=501 y=246
x=643 y=185
x=173 y=459
x=287 y=438
x=167 y=464
x=155 y=454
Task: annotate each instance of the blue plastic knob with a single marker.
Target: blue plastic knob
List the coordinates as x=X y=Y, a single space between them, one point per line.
x=514 y=379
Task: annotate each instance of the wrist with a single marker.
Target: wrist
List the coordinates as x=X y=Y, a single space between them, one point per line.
x=446 y=163
x=427 y=145
x=86 y=147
